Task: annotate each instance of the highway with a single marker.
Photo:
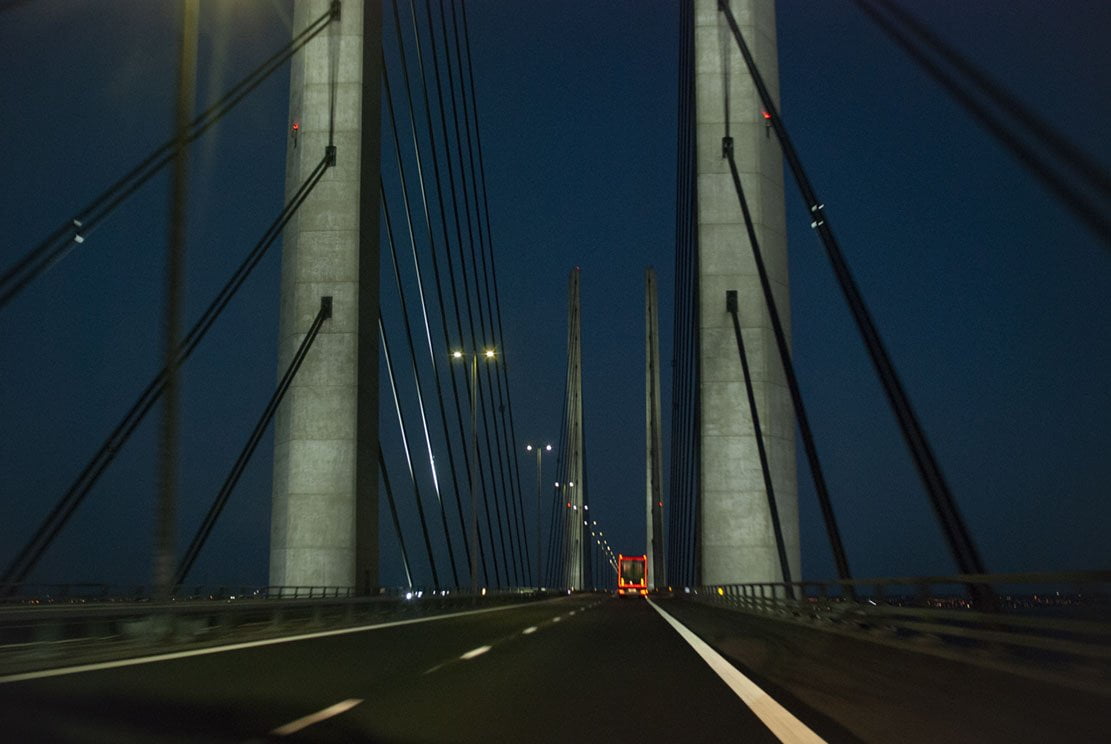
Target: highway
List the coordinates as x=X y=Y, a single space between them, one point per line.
x=582 y=668
x=587 y=667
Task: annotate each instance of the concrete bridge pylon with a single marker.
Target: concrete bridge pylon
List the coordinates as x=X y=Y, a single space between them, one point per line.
x=737 y=537
x=324 y=516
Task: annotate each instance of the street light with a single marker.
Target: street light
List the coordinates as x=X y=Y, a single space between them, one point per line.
x=539 y=464
x=490 y=356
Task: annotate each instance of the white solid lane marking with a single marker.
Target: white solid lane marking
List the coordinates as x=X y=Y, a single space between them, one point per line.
x=476 y=652
x=332 y=710
x=528 y=630
x=778 y=719
x=236 y=646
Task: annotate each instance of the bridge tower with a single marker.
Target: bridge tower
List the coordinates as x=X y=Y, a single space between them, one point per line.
x=737 y=538
x=573 y=487
x=654 y=440
x=324 y=518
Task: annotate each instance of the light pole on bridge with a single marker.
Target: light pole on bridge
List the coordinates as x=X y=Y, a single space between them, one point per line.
x=489 y=355
x=539 y=465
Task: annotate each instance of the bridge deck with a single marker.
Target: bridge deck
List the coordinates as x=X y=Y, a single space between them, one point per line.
x=584 y=668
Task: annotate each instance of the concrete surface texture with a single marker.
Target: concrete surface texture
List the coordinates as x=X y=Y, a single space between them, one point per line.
x=738 y=544
x=653 y=426
x=573 y=489
x=324 y=463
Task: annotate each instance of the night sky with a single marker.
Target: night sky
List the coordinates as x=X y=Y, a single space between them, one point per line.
x=991 y=298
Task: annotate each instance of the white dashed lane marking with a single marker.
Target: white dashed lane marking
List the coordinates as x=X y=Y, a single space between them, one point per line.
x=476 y=652
x=332 y=710
x=528 y=630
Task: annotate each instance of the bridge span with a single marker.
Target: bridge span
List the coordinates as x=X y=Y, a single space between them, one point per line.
x=585 y=667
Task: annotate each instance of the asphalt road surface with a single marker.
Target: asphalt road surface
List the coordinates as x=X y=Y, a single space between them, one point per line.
x=580 y=669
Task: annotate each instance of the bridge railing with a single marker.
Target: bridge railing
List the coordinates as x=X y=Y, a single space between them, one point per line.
x=86 y=623
x=85 y=593
x=1057 y=623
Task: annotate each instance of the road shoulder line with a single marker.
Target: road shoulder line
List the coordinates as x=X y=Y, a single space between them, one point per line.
x=778 y=719
x=170 y=656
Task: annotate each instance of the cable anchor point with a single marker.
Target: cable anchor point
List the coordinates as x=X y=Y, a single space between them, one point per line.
x=818 y=221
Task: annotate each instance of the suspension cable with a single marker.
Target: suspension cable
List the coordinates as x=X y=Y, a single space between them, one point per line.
x=472 y=227
x=1092 y=213
x=393 y=516
x=75 y=230
x=417 y=379
x=485 y=474
x=436 y=264
x=26 y=559
x=253 y=440
x=780 y=334
x=956 y=532
x=408 y=454
x=506 y=403
x=769 y=486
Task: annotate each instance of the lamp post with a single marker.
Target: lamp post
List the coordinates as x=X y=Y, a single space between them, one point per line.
x=489 y=355
x=539 y=458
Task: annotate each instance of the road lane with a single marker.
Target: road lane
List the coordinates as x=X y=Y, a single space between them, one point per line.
x=582 y=668
x=615 y=672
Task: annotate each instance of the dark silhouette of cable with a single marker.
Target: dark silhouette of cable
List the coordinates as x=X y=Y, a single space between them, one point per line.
x=761 y=450
x=214 y=511
x=408 y=453
x=26 y=559
x=506 y=401
x=482 y=471
x=417 y=378
x=407 y=84
x=485 y=324
x=436 y=267
x=512 y=492
x=393 y=516
x=428 y=220
x=408 y=212
x=557 y=500
x=684 y=459
x=1092 y=211
x=75 y=230
x=465 y=275
x=557 y=561
x=454 y=201
x=780 y=334
x=679 y=327
x=1073 y=156
x=956 y=533
x=8 y=5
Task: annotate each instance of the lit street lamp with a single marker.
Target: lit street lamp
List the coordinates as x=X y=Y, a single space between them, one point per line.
x=539 y=458
x=490 y=356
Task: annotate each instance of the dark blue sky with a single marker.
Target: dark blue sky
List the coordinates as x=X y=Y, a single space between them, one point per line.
x=991 y=299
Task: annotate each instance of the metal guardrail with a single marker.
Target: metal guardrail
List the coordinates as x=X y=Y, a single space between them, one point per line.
x=1046 y=624
x=72 y=627
x=85 y=593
